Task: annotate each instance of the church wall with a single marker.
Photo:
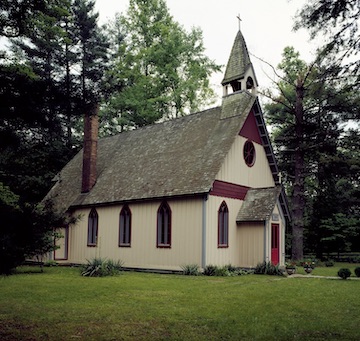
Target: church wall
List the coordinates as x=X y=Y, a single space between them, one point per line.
x=215 y=255
x=235 y=170
x=186 y=234
x=251 y=243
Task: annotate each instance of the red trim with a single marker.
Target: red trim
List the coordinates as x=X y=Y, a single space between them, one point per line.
x=228 y=190
x=125 y=211
x=223 y=226
x=164 y=206
x=250 y=129
x=66 y=245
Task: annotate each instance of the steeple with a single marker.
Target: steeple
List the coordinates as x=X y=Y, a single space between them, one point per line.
x=239 y=73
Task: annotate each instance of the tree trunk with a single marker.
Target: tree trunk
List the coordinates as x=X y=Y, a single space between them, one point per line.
x=298 y=195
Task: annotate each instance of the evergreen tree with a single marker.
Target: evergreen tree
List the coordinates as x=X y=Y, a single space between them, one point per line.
x=306 y=115
x=91 y=48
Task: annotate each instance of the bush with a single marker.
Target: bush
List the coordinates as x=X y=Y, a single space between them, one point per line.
x=222 y=271
x=344 y=273
x=267 y=268
x=329 y=263
x=210 y=270
x=357 y=271
x=190 y=270
x=98 y=267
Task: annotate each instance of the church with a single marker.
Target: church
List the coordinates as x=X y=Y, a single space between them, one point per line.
x=201 y=189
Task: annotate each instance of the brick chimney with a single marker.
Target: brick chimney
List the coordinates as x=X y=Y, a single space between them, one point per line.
x=91 y=128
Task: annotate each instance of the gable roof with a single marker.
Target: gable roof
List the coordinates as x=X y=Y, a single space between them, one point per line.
x=174 y=158
x=259 y=204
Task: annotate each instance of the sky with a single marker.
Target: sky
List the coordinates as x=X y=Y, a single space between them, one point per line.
x=265 y=24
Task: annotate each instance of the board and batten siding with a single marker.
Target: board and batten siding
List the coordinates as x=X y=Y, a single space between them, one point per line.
x=251 y=243
x=186 y=234
x=230 y=254
x=235 y=170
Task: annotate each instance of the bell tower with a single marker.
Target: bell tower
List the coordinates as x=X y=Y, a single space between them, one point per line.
x=239 y=74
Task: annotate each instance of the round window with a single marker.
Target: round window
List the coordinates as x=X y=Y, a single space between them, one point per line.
x=249 y=153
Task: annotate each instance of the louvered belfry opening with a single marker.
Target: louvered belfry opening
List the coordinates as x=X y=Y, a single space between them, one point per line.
x=91 y=129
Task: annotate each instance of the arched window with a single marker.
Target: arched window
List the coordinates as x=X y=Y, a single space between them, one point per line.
x=125 y=227
x=249 y=83
x=164 y=226
x=223 y=225
x=93 y=223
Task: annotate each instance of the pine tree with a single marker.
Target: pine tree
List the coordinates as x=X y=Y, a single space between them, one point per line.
x=306 y=115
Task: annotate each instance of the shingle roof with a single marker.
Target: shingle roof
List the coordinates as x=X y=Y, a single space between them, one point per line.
x=173 y=158
x=259 y=204
x=239 y=60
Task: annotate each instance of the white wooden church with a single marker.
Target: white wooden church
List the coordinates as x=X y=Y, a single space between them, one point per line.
x=201 y=189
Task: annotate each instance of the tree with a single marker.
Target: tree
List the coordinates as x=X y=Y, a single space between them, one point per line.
x=91 y=48
x=26 y=231
x=337 y=21
x=306 y=116
x=40 y=107
x=16 y=16
x=162 y=69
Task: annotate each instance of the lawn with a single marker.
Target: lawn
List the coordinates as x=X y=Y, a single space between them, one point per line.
x=59 y=304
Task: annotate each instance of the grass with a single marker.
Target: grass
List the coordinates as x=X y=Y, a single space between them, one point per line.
x=59 y=304
x=330 y=271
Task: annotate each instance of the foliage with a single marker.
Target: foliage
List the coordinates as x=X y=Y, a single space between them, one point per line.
x=268 y=268
x=99 y=267
x=329 y=263
x=160 y=70
x=210 y=270
x=17 y=16
x=307 y=116
x=357 y=271
x=290 y=265
x=191 y=270
x=337 y=22
x=341 y=230
x=344 y=273
x=26 y=231
x=308 y=264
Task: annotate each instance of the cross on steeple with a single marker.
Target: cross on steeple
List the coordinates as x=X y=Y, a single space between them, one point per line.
x=239 y=20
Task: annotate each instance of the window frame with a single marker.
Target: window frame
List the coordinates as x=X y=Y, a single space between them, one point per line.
x=125 y=227
x=163 y=226
x=223 y=226
x=249 y=153
x=93 y=228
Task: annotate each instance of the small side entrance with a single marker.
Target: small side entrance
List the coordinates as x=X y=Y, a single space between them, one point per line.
x=275 y=254
x=61 y=253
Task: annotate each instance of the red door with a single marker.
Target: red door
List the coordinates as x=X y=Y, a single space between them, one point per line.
x=275 y=244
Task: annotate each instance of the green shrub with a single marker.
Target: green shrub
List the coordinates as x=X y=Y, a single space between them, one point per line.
x=357 y=271
x=210 y=270
x=329 y=263
x=267 y=268
x=190 y=270
x=222 y=271
x=231 y=268
x=50 y=263
x=344 y=273
x=98 y=267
